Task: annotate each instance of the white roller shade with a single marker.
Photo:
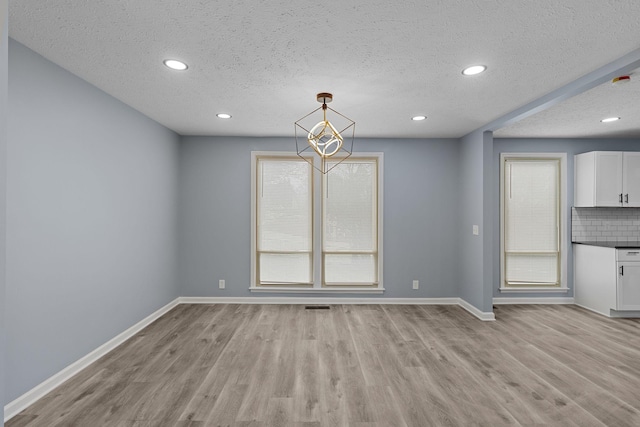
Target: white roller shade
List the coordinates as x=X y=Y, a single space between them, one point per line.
x=350 y=223
x=531 y=207
x=284 y=221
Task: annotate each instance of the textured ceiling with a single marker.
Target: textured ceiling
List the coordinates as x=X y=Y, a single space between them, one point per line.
x=580 y=116
x=385 y=61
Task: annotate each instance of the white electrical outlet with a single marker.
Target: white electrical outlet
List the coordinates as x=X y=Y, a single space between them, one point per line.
x=221 y=284
x=416 y=284
x=476 y=230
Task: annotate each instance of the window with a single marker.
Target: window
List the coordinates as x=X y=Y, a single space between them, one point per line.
x=316 y=232
x=350 y=223
x=533 y=211
x=284 y=214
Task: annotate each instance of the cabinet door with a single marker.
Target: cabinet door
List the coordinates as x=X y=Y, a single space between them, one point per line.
x=631 y=179
x=608 y=178
x=629 y=286
x=584 y=180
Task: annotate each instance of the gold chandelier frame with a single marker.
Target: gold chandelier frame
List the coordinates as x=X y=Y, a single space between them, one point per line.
x=323 y=138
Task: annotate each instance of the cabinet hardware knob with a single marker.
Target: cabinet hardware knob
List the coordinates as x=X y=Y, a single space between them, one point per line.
x=626 y=198
x=620 y=197
x=622 y=270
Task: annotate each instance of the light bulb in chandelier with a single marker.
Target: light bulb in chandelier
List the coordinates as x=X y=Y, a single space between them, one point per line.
x=323 y=137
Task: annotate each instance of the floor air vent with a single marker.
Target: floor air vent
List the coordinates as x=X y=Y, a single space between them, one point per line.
x=317 y=307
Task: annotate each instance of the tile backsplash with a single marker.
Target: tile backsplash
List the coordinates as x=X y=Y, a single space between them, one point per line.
x=605 y=224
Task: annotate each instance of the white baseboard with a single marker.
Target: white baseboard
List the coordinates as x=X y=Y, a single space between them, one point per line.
x=534 y=300
x=482 y=315
x=14 y=407
x=329 y=300
x=593 y=311
x=334 y=290
x=317 y=300
x=628 y=314
x=614 y=314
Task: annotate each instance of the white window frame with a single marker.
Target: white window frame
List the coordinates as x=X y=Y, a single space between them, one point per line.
x=353 y=159
x=318 y=181
x=310 y=223
x=562 y=203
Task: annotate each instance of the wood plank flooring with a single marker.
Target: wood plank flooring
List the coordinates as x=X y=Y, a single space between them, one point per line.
x=359 y=365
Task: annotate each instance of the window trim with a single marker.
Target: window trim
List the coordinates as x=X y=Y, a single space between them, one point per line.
x=317 y=254
x=563 y=244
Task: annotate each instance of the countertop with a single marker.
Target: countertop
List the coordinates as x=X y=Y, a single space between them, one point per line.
x=615 y=245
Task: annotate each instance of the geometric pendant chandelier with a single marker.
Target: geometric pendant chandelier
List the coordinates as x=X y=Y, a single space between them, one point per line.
x=323 y=138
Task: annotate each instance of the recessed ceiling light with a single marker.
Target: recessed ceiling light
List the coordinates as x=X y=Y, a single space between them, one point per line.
x=610 y=119
x=175 y=64
x=223 y=116
x=474 y=69
x=418 y=118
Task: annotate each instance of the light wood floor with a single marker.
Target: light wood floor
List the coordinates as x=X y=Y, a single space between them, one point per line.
x=374 y=365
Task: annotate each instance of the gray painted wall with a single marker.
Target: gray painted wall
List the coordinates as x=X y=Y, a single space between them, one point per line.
x=488 y=213
x=421 y=178
x=91 y=219
x=550 y=145
x=3 y=186
x=475 y=261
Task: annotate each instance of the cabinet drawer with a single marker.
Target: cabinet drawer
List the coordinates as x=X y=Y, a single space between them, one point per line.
x=632 y=254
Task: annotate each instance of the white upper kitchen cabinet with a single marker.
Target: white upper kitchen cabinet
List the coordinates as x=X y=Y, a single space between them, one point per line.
x=607 y=178
x=631 y=179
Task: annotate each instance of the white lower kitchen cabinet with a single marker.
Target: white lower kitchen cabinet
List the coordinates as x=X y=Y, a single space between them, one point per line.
x=628 y=262
x=607 y=279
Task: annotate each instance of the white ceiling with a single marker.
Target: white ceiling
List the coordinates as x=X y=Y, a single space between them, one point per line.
x=385 y=61
x=580 y=116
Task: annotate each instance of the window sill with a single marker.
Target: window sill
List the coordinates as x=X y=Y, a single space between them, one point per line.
x=293 y=290
x=536 y=289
